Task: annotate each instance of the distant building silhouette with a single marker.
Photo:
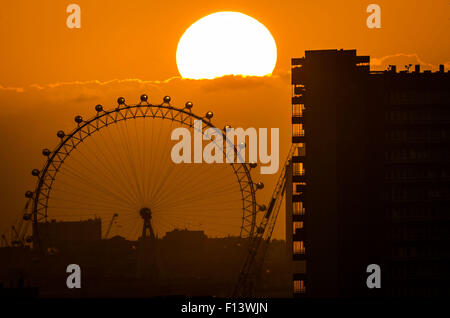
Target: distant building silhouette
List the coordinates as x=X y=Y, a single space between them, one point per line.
x=370 y=180
x=59 y=234
x=185 y=235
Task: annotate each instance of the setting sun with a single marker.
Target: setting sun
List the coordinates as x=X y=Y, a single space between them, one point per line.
x=226 y=43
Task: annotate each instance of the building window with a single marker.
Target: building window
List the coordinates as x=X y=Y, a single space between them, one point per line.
x=297 y=225
x=297 y=110
x=299 y=286
x=296 y=186
x=298 y=169
x=298 y=208
x=299 y=247
x=300 y=150
x=297 y=130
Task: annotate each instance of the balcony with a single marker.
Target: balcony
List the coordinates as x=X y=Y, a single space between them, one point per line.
x=298 y=210
x=299 y=235
x=297 y=61
x=298 y=139
x=299 y=90
x=297 y=76
x=299 y=288
x=297 y=119
x=298 y=100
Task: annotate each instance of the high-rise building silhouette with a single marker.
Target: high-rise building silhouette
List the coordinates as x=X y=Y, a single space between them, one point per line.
x=370 y=180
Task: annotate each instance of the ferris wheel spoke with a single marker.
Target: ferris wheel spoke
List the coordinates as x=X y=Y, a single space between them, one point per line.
x=148 y=176
x=214 y=177
x=145 y=160
x=166 y=167
x=123 y=158
x=206 y=225
x=191 y=197
x=62 y=205
x=95 y=186
x=207 y=211
x=87 y=205
x=224 y=226
x=86 y=167
x=174 y=224
x=209 y=214
x=115 y=172
x=200 y=194
x=162 y=226
x=94 y=167
x=78 y=197
x=140 y=149
x=120 y=163
x=163 y=188
x=127 y=220
x=72 y=173
x=212 y=190
x=185 y=207
x=137 y=153
x=158 y=164
x=126 y=141
x=188 y=183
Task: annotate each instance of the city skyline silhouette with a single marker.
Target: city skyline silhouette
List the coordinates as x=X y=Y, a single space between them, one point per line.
x=92 y=94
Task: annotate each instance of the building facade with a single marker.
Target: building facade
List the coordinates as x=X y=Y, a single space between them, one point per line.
x=370 y=180
x=60 y=234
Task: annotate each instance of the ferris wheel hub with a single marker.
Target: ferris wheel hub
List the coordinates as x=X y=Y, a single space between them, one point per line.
x=145 y=213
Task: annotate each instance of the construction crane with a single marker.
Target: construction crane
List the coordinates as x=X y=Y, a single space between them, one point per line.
x=23 y=237
x=19 y=231
x=115 y=215
x=259 y=243
x=5 y=240
x=16 y=241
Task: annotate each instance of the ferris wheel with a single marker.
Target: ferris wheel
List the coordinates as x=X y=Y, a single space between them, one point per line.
x=117 y=163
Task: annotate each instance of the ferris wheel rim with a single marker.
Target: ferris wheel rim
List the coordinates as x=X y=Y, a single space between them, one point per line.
x=46 y=176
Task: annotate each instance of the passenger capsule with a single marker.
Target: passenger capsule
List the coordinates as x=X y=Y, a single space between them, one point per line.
x=29 y=239
x=209 y=115
x=28 y=194
x=35 y=172
x=78 y=119
x=166 y=99
x=60 y=134
x=27 y=217
x=260 y=185
x=189 y=105
x=262 y=207
x=144 y=98
x=98 y=108
x=121 y=101
x=253 y=165
x=46 y=152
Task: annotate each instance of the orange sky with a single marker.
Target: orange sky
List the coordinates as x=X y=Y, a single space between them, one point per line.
x=138 y=38
x=48 y=72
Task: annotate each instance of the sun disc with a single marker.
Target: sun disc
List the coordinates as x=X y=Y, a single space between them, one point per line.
x=226 y=43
